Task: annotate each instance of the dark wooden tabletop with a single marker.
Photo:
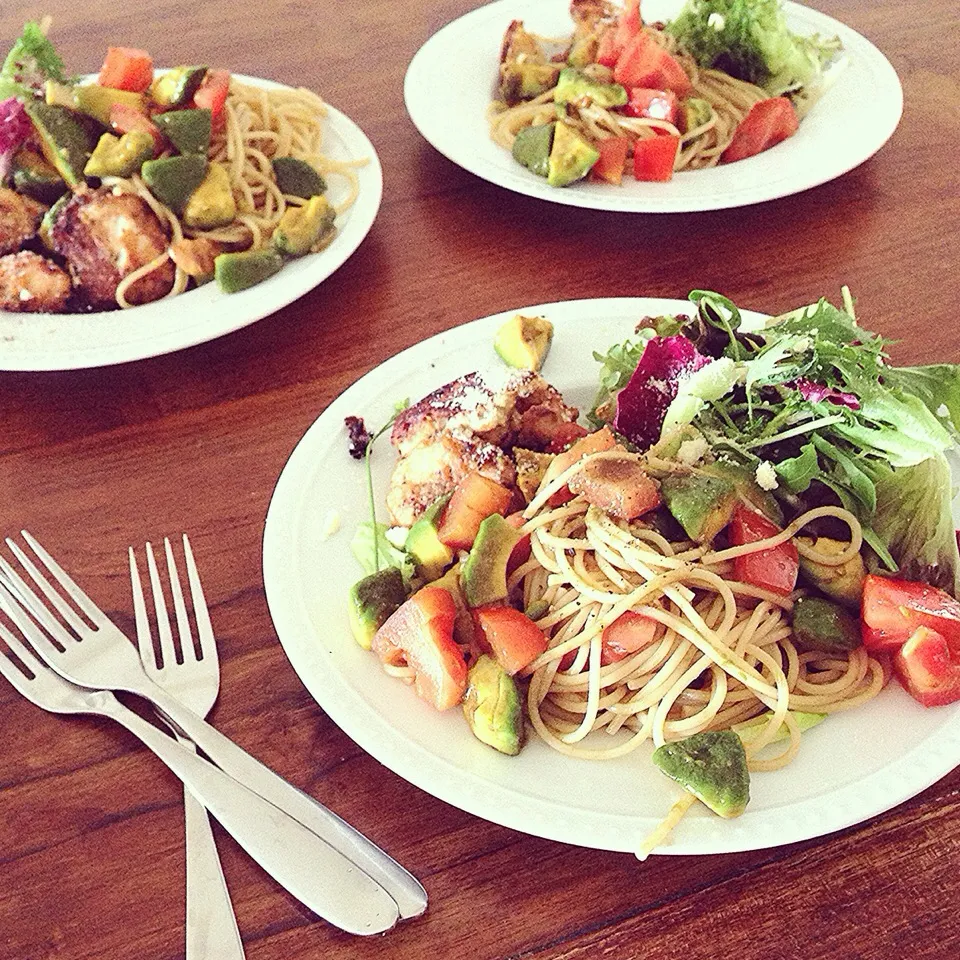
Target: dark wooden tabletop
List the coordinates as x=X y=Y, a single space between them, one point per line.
x=91 y=841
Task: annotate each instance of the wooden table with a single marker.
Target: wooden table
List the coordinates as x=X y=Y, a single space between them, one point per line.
x=90 y=824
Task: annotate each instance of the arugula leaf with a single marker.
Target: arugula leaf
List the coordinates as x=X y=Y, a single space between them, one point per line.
x=798 y=472
x=858 y=482
x=618 y=364
x=32 y=60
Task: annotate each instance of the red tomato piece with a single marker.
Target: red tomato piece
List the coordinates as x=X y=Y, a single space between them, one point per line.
x=511 y=636
x=420 y=634
x=656 y=104
x=654 y=158
x=773 y=569
x=612 y=160
x=627 y=634
x=596 y=442
x=475 y=498
x=765 y=125
x=927 y=670
x=565 y=435
x=521 y=549
x=127 y=119
x=125 y=68
x=644 y=63
x=891 y=610
x=607 y=50
x=212 y=93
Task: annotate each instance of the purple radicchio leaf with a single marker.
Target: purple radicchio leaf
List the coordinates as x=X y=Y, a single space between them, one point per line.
x=15 y=127
x=642 y=403
x=818 y=393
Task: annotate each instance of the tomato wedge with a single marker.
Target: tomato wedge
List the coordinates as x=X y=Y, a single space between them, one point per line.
x=765 y=125
x=928 y=671
x=420 y=634
x=126 y=68
x=212 y=94
x=891 y=610
x=521 y=549
x=653 y=103
x=627 y=634
x=127 y=119
x=644 y=63
x=596 y=442
x=654 y=158
x=610 y=163
x=475 y=498
x=511 y=636
x=773 y=569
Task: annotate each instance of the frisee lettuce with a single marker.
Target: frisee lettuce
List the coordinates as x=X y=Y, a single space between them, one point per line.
x=32 y=61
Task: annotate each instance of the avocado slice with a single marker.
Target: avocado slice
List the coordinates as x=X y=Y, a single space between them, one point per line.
x=430 y=556
x=574 y=85
x=238 y=271
x=176 y=87
x=371 y=602
x=694 y=112
x=523 y=342
x=531 y=147
x=843 y=582
x=820 y=624
x=119 y=156
x=749 y=491
x=173 y=179
x=92 y=99
x=492 y=706
x=747 y=730
x=301 y=228
x=712 y=766
x=571 y=157
x=702 y=504
x=33 y=176
x=297 y=178
x=188 y=130
x=485 y=569
x=523 y=80
x=64 y=139
x=583 y=49
x=212 y=203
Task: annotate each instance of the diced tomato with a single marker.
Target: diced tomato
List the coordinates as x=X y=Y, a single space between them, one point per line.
x=566 y=434
x=629 y=24
x=612 y=160
x=127 y=119
x=765 y=125
x=521 y=549
x=656 y=104
x=475 y=498
x=772 y=569
x=891 y=610
x=644 y=63
x=607 y=50
x=654 y=158
x=125 y=68
x=595 y=442
x=212 y=94
x=511 y=636
x=627 y=634
x=927 y=669
x=420 y=634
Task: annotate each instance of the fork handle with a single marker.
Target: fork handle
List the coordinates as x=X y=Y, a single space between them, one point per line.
x=319 y=877
x=403 y=887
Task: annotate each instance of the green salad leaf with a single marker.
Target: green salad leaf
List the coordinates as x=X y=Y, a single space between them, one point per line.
x=31 y=61
x=374 y=551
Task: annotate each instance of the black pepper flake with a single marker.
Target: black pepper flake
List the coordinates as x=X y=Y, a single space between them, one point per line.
x=359 y=436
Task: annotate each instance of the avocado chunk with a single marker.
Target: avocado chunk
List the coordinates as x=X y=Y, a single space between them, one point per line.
x=583 y=49
x=485 y=569
x=238 y=271
x=372 y=600
x=176 y=87
x=524 y=80
x=712 y=766
x=842 y=582
x=187 y=130
x=523 y=342
x=531 y=147
x=749 y=491
x=463 y=626
x=92 y=99
x=703 y=505
x=32 y=176
x=173 y=179
x=748 y=730
x=119 y=156
x=430 y=556
x=492 y=706
x=212 y=203
x=820 y=624
x=694 y=112
x=574 y=85
x=296 y=178
x=301 y=228
x=571 y=157
x=64 y=139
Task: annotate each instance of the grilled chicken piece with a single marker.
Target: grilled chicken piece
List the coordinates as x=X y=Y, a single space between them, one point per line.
x=591 y=12
x=30 y=283
x=470 y=424
x=19 y=218
x=531 y=469
x=104 y=237
x=618 y=485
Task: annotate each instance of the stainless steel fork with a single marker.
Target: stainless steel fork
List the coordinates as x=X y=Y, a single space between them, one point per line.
x=193 y=677
x=93 y=653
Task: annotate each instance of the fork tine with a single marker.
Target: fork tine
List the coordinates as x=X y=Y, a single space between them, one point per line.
x=21 y=650
x=14 y=608
x=183 y=622
x=148 y=652
x=208 y=647
x=95 y=614
x=168 y=652
x=28 y=596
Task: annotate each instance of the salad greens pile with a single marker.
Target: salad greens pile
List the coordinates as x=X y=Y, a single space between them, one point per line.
x=809 y=402
x=749 y=39
x=32 y=61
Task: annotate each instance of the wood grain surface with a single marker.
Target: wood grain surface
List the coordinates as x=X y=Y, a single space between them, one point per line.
x=91 y=842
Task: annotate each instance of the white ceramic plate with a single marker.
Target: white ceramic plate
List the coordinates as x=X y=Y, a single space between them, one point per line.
x=76 y=340
x=853 y=766
x=451 y=81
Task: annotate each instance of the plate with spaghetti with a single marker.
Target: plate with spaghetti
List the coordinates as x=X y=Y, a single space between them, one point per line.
x=155 y=209
x=650 y=132
x=855 y=764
